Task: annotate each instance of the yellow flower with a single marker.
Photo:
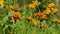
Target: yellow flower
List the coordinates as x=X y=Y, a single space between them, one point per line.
x=54 y=10
x=31 y=6
x=34 y=22
x=1 y=2
x=51 y=5
x=57 y=20
x=42 y=25
x=28 y=18
x=35 y=3
x=11 y=7
x=44 y=17
x=47 y=12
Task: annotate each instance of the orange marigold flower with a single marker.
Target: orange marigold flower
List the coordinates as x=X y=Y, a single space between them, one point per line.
x=47 y=12
x=57 y=20
x=28 y=18
x=35 y=3
x=31 y=6
x=16 y=16
x=11 y=7
x=38 y=15
x=44 y=17
x=42 y=25
x=17 y=9
x=54 y=10
x=51 y=5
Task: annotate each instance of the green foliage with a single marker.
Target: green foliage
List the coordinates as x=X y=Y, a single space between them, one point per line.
x=8 y=25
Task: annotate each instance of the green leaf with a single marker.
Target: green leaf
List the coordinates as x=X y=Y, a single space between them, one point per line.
x=5 y=19
x=5 y=27
x=10 y=12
